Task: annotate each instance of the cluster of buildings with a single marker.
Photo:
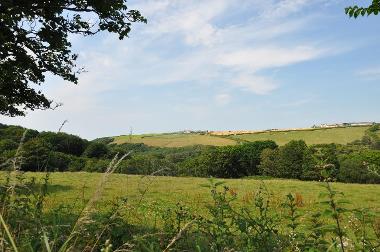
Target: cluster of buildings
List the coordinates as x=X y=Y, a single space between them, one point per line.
x=350 y=124
x=240 y=132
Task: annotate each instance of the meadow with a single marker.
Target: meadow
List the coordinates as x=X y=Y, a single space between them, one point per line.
x=69 y=187
x=80 y=211
x=174 y=140
x=312 y=136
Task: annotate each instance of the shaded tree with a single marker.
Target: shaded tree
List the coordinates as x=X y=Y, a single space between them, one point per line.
x=35 y=155
x=250 y=155
x=34 y=41
x=269 y=163
x=65 y=143
x=293 y=159
x=96 y=150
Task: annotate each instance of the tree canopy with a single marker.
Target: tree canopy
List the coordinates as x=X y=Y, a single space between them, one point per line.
x=356 y=11
x=34 y=41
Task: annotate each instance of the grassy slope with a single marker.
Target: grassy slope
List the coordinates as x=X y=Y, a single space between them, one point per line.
x=175 y=140
x=318 y=136
x=67 y=188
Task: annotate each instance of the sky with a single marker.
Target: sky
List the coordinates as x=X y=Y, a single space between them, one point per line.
x=221 y=65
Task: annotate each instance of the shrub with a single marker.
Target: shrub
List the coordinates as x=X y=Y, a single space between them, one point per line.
x=76 y=164
x=35 y=155
x=58 y=161
x=96 y=150
x=269 y=163
x=65 y=143
x=355 y=169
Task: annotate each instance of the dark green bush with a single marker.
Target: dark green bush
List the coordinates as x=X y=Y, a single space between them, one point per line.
x=360 y=168
x=65 y=143
x=96 y=150
x=35 y=155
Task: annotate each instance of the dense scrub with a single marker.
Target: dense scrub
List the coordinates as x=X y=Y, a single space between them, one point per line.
x=357 y=162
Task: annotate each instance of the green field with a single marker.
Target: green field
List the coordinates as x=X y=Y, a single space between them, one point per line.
x=317 y=136
x=174 y=140
x=312 y=136
x=142 y=210
x=75 y=188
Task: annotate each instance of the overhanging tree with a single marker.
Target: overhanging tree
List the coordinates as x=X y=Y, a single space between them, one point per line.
x=34 y=41
x=356 y=11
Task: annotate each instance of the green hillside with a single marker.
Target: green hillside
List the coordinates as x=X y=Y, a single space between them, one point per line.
x=312 y=136
x=175 y=140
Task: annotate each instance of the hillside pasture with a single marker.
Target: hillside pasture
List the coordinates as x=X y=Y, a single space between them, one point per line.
x=312 y=136
x=174 y=140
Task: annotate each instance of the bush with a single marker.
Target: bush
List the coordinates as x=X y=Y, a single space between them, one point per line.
x=35 y=155
x=290 y=161
x=15 y=133
x=58 y=161
x=96 y=165
x=77 y=164
x=228 y=161
x=7 y=145
x=96 y=150
x=269 y=163
x=363 y=167
x=65 y=143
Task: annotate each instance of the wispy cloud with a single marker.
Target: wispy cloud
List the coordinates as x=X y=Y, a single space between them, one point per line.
x=191 y=57
x=371 y=73
x=198 y=46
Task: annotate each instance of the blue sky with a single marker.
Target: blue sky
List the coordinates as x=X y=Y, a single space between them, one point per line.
x=221 y=64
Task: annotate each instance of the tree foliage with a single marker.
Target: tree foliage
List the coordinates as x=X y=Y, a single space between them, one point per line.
x=356 y=11
x=40 y=151
x=34 y=41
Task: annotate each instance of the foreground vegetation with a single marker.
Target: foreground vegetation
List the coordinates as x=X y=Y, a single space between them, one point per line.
x=111 y=212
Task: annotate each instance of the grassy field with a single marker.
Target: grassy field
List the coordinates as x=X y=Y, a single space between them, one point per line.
x=317 y=136
x=174 y=140
x=70 y=188
x=149 y=213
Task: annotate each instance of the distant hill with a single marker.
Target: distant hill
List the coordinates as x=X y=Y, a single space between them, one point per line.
x=340 y=135
x=175 y=139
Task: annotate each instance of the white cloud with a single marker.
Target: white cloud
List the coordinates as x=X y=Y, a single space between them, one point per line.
x=215 y=48
x=284 y=8
x=372 y=73
x=268 y=57
x=257 y=84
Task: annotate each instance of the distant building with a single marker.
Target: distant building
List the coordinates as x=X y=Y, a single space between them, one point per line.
x=345 y=124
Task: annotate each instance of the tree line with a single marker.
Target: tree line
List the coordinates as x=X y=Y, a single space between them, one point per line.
x=357 y=162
